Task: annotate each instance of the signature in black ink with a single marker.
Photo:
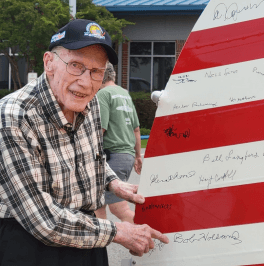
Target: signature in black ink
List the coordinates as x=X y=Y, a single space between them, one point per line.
x=246 y=98
x=241 y=158
x=154 y=179
x=178 y=238
x=216 y=178
x=217 y=158
x=183 y=80
x=231 y=12
x=158 y=246
x=157 y=206
x=230 y=156
x=171 y=132
x=195 y=104
x=255 y=69
x=180 y=106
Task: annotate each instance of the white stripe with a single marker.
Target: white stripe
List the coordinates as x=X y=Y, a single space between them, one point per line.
x=221 y=13
x=226 y=251
x=214 y=87
x=204 y=169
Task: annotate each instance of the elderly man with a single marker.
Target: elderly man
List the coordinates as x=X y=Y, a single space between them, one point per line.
x=52 y=170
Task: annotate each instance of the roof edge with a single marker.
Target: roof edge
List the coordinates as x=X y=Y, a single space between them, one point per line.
x=129 y=8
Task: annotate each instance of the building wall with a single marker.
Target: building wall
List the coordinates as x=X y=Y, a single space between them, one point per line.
x=155 y=28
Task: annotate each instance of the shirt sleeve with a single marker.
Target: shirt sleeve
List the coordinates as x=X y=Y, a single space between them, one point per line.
x=104 y=102
x=136 y=120
x=25 y=190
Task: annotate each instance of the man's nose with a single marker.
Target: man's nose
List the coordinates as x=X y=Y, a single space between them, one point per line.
x=85 y=79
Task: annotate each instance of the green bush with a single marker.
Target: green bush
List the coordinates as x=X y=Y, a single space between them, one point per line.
x=5 y=92
x=140 y=95
x=144 y=131
x=146 y=109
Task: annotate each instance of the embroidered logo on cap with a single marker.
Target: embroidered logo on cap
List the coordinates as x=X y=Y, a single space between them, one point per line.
x=58 y=36
x=94 y=30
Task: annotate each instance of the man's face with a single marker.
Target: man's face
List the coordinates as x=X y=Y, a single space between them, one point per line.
x=74 y=92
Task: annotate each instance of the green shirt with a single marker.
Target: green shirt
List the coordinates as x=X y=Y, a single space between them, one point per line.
x=119 y=119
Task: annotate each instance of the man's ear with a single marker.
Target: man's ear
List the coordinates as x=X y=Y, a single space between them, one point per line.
x=48 y=60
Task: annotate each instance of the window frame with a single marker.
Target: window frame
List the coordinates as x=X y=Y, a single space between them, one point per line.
x=152 y=56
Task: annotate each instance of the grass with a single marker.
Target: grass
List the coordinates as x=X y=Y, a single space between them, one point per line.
x=144 y=143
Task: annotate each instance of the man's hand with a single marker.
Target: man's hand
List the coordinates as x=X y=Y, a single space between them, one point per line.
x=137 y=238
x=126 y=191
x=138 y=165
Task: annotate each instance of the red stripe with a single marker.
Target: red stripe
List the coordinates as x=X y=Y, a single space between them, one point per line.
x=220 y=46
x=210 y=128
x=204 y=209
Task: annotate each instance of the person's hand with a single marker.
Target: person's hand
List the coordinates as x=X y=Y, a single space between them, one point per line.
x=137 y=238
x=138 y=165
x=126 y=191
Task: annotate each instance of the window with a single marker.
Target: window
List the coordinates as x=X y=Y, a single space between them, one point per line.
x=151 y=64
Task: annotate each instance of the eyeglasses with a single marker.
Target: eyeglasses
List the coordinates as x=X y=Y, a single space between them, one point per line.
x=77 y=69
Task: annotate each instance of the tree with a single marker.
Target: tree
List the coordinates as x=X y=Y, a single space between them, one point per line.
x=87 y=10
x=26 y=26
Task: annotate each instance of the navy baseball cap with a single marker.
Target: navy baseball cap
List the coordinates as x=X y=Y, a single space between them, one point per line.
x=80 y=33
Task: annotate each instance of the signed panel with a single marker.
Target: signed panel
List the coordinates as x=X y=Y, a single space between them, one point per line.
x=203 y=172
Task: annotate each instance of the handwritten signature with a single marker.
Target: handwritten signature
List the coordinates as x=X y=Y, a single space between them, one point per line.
x=216 y=178
x=226 y=72
x=242 y=99
x=230 y=156
x=154 y=179
x=240 y=158
x=175 y=106
x=195 y=104
x=178 y=238
x=158 y=246
x=171 y=132
x=255 y=69
x=183 y=80
x=231 y=12
x=157 y=206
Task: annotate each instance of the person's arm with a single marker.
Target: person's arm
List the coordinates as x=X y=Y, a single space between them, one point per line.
x=138 y=160
x=136 y=238
x=26 y=191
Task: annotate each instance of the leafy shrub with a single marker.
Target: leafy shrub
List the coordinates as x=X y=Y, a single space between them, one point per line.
x=146 y=109
x=5 y=92
x=140 y=95
x=144 y=131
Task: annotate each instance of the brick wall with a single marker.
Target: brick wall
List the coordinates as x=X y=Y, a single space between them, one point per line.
x=116 y=66
x=124 y=65
x=179 y=46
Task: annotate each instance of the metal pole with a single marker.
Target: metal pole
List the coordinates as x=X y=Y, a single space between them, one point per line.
x=9 y=73
x=72 y=4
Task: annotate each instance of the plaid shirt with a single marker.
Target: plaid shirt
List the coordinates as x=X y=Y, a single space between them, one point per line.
x=48 y=172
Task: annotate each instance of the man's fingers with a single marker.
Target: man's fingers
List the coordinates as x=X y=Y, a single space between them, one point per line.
x=158 y=235
x=137 y=198
x=135 y=254
x=151 y=244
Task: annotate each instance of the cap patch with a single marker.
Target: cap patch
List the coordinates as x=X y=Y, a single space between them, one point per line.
x=94 y=30
x=58 y=37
